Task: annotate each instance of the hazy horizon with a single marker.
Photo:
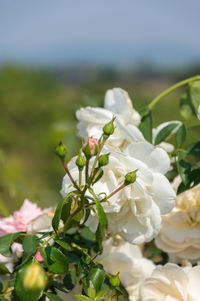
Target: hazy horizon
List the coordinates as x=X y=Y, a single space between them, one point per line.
x=35 y=32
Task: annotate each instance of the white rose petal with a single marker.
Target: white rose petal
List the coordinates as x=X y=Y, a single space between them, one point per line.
x=118 y=104
x=180 y=232
x=171 y=282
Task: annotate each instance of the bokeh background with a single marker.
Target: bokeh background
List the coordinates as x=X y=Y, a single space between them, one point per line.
x=56 y=56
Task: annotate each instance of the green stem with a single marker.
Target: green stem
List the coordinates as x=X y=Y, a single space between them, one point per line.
x=70 y=176
x=108 y=197
x=96 y=160
x=86 y=171
x=3 y=209
x=172 y=88
x=80 y=178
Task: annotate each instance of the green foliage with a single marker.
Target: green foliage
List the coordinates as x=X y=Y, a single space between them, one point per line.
x=165 y=133
x=188 y=169
x=146 y=124
x=57 y=216
x=5 y=243
x=3 y=271
x=103 y=222
x=55 y=260
x=52 y=297
x=180 y=136
x=96 y=276
x=69 y=280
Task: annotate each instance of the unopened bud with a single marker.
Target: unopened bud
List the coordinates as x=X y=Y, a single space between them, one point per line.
x=61 y=150
x=38 y=257
x=109 y=128
x=91 y=147
x=114 y=280
x=98 y=175
x=130 y=177
x=80 y=161
x=103 y=160
x=35 y=278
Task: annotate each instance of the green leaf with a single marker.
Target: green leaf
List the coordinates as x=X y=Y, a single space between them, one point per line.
x=82 y=297
x=58 y=213
x=84 y=266
x=100 y=295
x=30 y=244
x=58 y=285
x=183 y=168
x=146 y=124
x=5 y=243
x=181 y=135
x=52 y=297
x=164 y=133
x=55 y=260
x=70 y=280
x=64 y=243
x=100 y=211
x=103 y=222
x=194 y=149
x=195 y=94
x=87 y=234
x=91 y=292
x=3 y=269
x=96 y=276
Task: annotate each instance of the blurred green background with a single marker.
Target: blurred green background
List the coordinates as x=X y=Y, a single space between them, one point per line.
x=37 y=110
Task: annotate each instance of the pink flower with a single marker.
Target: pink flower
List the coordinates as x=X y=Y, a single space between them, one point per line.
x=20 y=219
x=7 y=225
x=27 y=213
x=38 y=257
x=93 y=144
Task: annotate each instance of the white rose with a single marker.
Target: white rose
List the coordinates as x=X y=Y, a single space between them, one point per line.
x=171 y=283
x=135 y=211
x=126 y=259
x=180 y=232
x=117 y=103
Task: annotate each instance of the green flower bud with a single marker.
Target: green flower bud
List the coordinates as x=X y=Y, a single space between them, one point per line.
x=130 y=177
x=114 y=280
x=61 y=150
x=98 y=175
x=103 y=160
x=80 y=161
x=87 y=151
x=91 y=147
x=109 y=128
x=34 y=278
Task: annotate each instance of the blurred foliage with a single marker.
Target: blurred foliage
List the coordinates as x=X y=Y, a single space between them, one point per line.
x=37 y=110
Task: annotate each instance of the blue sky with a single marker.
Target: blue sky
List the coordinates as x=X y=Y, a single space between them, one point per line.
x=105 y=31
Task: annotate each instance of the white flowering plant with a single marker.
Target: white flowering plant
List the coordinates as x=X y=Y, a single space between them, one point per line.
x=119 y=193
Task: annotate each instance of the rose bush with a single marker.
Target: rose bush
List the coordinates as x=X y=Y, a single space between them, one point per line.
x=116 y=192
